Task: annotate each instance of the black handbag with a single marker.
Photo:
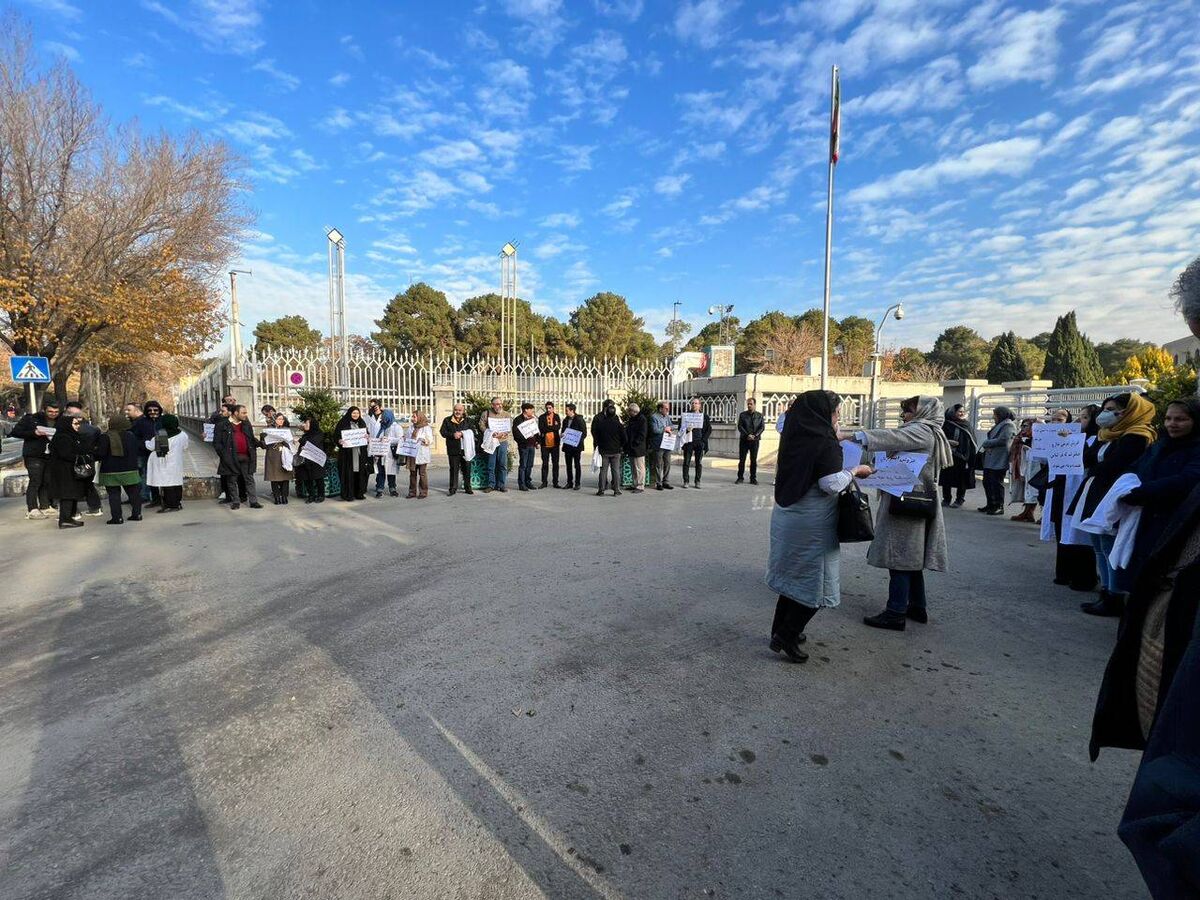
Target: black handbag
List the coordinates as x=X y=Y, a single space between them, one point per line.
x=913 y=505
x=1040 y=479
x=84 y=468
x=854 y=516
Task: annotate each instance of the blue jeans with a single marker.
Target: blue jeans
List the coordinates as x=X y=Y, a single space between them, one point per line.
x=497 y=466
x=525 y=457
x=905 y=589
x=1102 y=545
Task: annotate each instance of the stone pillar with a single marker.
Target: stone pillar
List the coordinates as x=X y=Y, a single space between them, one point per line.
x=962 y=390
x=443 y=405
x=1031 y=384
x=246 y=395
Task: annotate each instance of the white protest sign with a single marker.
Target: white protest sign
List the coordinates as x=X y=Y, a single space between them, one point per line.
x=528 y=428
x=468 y=444
x=277 y=435
x=571 y=437
x=313 y=453
x=1044 y=433
x=692 y=421
x=210 y=429
x=1065 y=454
x=355 y=437
x=851 y=454
x=45 y=431
x=897 y=474
x=410 y=447
x=668 y=442
x=499 y=426
x=379 y=447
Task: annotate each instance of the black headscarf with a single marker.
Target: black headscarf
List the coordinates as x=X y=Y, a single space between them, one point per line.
x=809 y=447
x=347 y=422
x=169 y=424
x=1093 y=427
x=314 y=435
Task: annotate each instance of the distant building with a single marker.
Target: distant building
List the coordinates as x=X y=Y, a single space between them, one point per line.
x=1184 y=351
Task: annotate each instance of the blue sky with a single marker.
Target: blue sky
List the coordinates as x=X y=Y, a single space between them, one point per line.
x=1001 y=162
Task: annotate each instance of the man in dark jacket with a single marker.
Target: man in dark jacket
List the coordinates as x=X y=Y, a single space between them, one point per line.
x=608 y=436
x=228 y=402
x=697 y=444
x=452 y=429
x=145 y=428
x=750 y=429
x=235 y=444
x=36 y=429
x=550 y=429
x=91 y=436
x=575 y=422
x=635 y=445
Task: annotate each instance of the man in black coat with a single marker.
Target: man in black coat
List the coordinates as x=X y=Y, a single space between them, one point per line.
x=750 y=429
x=36 y=429
x=697 y=444
x=635 y=444
x=452 y=429
x=608 y=436
x=575 y=422
x=550 y=431
x=236 y=445
x=90 y=437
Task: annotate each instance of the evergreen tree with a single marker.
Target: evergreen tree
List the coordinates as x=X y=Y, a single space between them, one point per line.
x=961 y=350
x=1006 y=362
x=286 y=332
x=419 y=320
x=1071 y=359
x=606 y=328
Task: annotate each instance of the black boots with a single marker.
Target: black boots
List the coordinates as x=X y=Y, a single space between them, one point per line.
x=887 y=620
x=787 y=630
x=1109 y=605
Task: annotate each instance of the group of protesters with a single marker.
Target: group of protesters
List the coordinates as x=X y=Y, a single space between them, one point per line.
x=137 y=460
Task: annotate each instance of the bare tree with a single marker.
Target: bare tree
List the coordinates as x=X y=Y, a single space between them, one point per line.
x=111 y=242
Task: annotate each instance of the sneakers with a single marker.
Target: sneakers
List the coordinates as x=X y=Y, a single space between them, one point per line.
x=35 y=514
x=93 y=512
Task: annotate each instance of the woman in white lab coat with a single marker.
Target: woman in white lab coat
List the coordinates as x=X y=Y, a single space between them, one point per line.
x=164 y=467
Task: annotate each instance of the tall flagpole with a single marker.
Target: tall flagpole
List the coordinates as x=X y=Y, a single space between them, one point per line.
x=834 y=148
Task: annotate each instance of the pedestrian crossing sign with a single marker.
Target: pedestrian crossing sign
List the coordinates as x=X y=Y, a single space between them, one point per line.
x=30 y=369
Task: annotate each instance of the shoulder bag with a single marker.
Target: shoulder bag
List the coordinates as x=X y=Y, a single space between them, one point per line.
x=913 y=505
x=854 y=516
x=84 y=468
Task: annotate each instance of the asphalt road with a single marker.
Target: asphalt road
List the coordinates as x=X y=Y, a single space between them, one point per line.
x=512 y=696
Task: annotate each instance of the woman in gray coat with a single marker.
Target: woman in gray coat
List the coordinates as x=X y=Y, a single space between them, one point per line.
x=907 y=545
x=996 y=448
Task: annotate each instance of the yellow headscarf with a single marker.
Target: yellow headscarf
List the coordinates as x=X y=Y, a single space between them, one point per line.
x=1138 y=419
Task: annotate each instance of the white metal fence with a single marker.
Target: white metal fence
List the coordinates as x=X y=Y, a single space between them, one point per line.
x=1037 y=404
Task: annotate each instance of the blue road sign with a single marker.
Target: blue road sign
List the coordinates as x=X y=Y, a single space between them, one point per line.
x=30 y=369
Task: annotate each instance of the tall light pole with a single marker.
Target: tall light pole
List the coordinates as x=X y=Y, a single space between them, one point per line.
x=508 y=304
x=721 y=310
x=337 y=308
x=235 y=322
x=899 y=311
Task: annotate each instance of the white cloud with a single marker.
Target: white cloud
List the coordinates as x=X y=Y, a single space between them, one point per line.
x=629 y=10
x=705 y=110
x=207 y=113
x=138 y=60
x=560 y=220
x=474 y=182
x=1114 y=45
x=1022 y=47
x=62 y=8
x=702 y=22
x=1014 y=156
x=586 y=83
x=542 y=23
x=1117 y=131
x=506 y=90
x=351 y=47
x=621 y=205
x=671 y=185
x=253 y=127
x=285 y=80
x=450 y=154
x=66 y=51
x=341 y=79
x=938 y=85
x=575 y=158
x=555 y=245
x=225 y=26
x=337 y=120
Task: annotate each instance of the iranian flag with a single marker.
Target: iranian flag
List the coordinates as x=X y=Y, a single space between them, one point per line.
x=835 y=119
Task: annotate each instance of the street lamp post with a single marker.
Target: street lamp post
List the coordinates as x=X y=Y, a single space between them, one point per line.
x=235 y=323
x=338 y=342
x=722 y=310
x=898 y=308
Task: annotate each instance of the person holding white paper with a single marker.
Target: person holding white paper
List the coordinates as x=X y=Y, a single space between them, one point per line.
x=528 y=438
x=661 y=427
x=36 y=430
x=696 y=440
x=909 y=537
x=1074 y=565
x=418 y=466
x=310 y=476
x=804 y=563
x=353 y=461
x=273 y=467
x=454 y=430
x=572 y=453
x=496 y=458
x=386 y=466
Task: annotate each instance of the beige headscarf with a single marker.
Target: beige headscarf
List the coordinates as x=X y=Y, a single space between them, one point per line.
x=931 y=412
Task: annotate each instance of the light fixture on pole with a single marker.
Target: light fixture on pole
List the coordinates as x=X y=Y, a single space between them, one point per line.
x=338 y=343
x=898 y=310
x=508 y=305
x=235 y=323
x=722 y=310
